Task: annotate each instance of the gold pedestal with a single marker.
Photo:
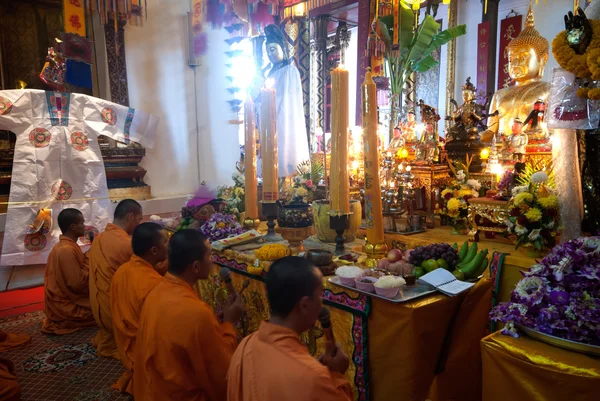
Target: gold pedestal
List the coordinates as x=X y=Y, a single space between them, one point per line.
x=295 y=236
x=374 y=253
x=432 y=177
x=496 y=211
x=135 y=193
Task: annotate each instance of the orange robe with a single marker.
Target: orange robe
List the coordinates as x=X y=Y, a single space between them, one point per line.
x=130 y=287
x=66 y=291
x=272 y=364
x=108 y=252
x=182 y=351
x=10 y=390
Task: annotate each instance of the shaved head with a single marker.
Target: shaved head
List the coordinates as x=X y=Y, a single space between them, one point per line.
x=125 y=207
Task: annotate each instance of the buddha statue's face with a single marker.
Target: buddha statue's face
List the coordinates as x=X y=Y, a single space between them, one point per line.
x=275 y=53
x=517 y=127
x=524 y=65
x=468 y=95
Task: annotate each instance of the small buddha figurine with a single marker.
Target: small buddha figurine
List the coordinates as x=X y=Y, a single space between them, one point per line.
x=527 y=57
x=518 y=140
x=398 y=139
x=467 y=119
x=428 y=149
x=408 y=128
x=535 y=127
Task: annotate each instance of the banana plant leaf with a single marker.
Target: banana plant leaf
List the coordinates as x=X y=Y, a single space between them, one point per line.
x=444 y=37
x=424 y=36
x=425 y=64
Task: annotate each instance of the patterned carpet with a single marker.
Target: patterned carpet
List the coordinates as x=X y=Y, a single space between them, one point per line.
x=60 y=368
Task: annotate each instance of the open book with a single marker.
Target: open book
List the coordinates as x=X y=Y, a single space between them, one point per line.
x=445 y=282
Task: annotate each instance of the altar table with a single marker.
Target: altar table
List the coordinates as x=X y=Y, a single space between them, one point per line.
x=396 y=350
x=527 y=369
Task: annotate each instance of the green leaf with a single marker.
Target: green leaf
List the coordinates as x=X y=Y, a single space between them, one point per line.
x=425 y=64
x=386 y=26
x=406 y=22
x=444 y=37
x=425 y=33
x=538 y=244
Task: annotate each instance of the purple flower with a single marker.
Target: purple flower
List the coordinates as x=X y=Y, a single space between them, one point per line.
x=559 y=297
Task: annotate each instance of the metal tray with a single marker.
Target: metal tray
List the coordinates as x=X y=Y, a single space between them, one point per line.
x=560 y=342
x=405 y=294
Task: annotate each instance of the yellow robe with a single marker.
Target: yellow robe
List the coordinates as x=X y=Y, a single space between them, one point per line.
x=109 y=251
x=182 y=352
x=273 y=364
x=130 y=287
x=66 y=291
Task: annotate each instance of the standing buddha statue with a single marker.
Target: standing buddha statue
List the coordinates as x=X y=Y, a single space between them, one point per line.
x=527 y=57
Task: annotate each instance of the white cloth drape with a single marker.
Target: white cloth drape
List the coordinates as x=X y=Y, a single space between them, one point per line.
x=40 y=164
x=567 y=178
x=292 y=140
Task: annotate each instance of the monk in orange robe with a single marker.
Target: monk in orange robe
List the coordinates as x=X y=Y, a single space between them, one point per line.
x=108 y=252
x=286 y=369
x=10 y=390
x=66 y=292
x=130 y=287
x=182 y=351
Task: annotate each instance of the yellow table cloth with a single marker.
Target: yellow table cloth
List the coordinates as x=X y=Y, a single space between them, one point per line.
x=408 y=343
x=527 y=369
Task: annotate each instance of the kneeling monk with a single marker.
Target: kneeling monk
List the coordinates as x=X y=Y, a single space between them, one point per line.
x=182 y=352
x=109 y=251
x=66 y=292
x=287 y=370
x=130 y=287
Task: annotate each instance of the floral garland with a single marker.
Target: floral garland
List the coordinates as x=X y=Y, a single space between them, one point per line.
x=560 y=295
x=221 y=226
x=584 y=65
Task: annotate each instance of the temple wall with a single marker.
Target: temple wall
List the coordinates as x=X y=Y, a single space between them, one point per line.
x=194 y=141
x=549 y=21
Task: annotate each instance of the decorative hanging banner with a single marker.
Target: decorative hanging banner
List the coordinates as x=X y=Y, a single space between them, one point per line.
x=74 y=16
x=483 y=39
x=198 y=17
x=510 y=28
x=116 y=10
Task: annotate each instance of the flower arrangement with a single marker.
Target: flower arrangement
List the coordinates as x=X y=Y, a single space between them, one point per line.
x=234 y=196
x=454 y=199
x=559 y=296
x=301 y=190
x=220 y=226
x=534 y=214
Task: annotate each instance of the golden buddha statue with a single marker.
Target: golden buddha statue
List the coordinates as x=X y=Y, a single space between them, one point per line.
x=527 y=57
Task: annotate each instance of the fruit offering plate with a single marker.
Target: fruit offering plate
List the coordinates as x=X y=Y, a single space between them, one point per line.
x=560 y=342
x=405 y=294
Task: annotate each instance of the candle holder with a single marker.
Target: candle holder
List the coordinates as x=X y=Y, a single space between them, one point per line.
x=269 y=209
x=374 y=253
x=339 y=223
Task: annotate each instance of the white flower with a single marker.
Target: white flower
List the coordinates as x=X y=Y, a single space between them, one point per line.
x=476 y=185
x=460 y=175
x=509 y=224
x=239 y=178
x=592 y=243
x=518 y=190
x=304 y=168
x=475 y=194
x=539 y=177
x=551 y=225
x=534 y=234
x=520 y=230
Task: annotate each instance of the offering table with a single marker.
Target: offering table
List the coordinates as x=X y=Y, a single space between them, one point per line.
x=396 y=349
x=513 y=263
x=527 y=369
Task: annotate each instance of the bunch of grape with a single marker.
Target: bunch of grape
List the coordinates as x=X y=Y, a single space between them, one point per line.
x=188 y=212
x=434 y=251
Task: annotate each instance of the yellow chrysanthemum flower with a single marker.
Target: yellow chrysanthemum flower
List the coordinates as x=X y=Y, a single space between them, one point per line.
x=272 y=252
x=549 y=202
x=534 y=214
x=239 y=191
x=522 y=197
x=465 y=192
x=301 y=192
x=446 y=191
x=453 y=204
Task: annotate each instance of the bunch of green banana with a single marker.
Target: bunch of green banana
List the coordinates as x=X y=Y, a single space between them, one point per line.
x=471 y=264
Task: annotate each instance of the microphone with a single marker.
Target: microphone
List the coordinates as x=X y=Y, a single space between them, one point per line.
x=245 y=285
x=225 y=275
x=325 y=320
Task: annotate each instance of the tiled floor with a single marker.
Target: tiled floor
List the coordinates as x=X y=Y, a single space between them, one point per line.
x=89 y=382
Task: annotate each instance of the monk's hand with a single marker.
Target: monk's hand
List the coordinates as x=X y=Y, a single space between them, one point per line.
x=232 y=312
x=336 y=362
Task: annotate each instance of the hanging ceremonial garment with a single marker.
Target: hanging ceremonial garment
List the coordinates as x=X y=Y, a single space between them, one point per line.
x=58 y=164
